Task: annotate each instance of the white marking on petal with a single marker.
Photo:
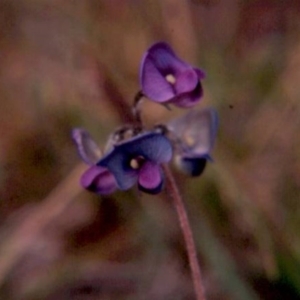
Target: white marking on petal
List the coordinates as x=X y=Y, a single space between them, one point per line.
x=171 y=78
x=190 y=141
x=137 y=162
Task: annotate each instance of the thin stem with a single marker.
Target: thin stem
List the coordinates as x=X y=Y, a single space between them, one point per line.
x=187 y=233
x=135 y=108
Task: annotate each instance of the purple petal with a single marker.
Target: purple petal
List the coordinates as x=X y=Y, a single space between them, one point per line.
x=154 y=84
x=151 y=146
x=98 y=180
x=165 y=60
x=187 y=100
x=150 y=177
x=86 y=146
x=119 y=164
x=186 y=81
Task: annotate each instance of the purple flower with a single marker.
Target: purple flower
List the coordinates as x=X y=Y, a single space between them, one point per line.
x=165 y=78
x=137 y=160
x=95 y=179
x=195 y=133
x=98 y=180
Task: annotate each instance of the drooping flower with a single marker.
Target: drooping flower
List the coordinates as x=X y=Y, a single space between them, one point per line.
x=165 y=78
x=95 y=179
x=137 y=160
x=195 y=134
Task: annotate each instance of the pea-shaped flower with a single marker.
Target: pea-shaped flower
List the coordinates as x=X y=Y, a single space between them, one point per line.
x=195 y=133
x=165 y=78
x=95 y=179
x=137 y=160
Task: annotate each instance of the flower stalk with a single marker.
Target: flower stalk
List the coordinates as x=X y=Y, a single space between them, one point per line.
x=172 y=189
x=136 y=109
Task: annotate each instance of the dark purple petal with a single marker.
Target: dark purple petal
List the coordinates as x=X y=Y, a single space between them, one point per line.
x=119 y=164
x=98 y=180
x=151 y=146
x=192 y=166
x=150 y=178
x=86 y=146
x=187 y=100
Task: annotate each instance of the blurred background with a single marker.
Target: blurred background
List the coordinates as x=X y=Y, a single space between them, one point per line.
x=65 y=64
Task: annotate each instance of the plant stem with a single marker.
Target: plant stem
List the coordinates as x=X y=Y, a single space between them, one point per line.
x=135 y=108
x=187 y=233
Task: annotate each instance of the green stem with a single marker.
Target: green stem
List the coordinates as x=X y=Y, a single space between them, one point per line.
x=187 y=233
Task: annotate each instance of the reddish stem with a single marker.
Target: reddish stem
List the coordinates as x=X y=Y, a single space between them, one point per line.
x=187 y=233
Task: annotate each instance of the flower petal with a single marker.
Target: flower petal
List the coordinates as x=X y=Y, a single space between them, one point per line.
x=197 y=131
x=191 y=166
x=186 y=81
x=86 y=146
x=98 y=180
x=189 y=99
x=118 y=162
x=152 y=146
x=154 y=84
x=150 y=178
x=165 y=60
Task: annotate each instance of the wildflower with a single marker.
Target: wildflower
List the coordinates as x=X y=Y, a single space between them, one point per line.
x=95 y=179
x=165 y=78
x=137 y=160
x=195 y=134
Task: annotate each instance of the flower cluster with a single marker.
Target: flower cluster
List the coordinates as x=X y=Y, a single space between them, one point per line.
x=135 y=154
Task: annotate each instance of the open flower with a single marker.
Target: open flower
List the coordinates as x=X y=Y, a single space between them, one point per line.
x=194 y=134
x=95 y=179
x=165 y=78
x=137 y=160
